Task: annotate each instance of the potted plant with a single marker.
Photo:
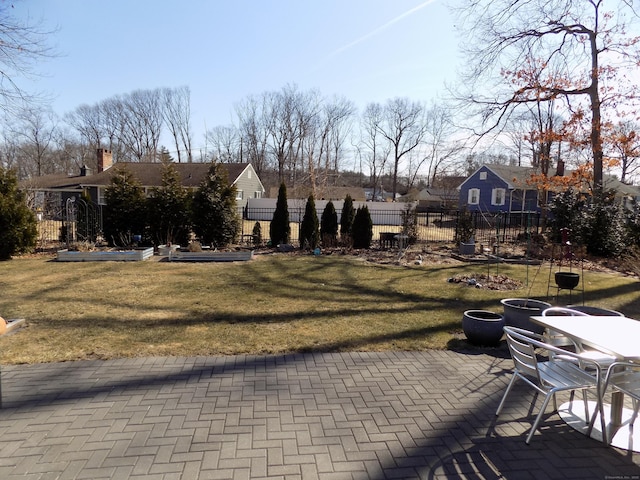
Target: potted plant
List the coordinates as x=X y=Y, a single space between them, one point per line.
x=465 y=232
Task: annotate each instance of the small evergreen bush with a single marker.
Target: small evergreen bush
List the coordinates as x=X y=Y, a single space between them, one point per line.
x=329 y=226
x=362 y=228
x=279 y=228
x=18 y=225
x=346 y=221
x=309 y=234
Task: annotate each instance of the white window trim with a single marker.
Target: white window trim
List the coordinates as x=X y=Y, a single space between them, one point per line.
x=101 y=192
x=494 y=196
x=483 y=175
x=239 y=195
x=473 y=197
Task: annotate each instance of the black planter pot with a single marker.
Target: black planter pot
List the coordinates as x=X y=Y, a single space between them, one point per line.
x=567 y=280
x=482 y=327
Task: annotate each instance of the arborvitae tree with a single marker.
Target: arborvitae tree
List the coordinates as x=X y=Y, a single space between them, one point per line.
x=215 y=216
x=309 y=234
x=280 y=229
x=170 y=209
x=362 y=228
x=329 y=226
x=18 y=226
x=346 y=221
x=125 y=210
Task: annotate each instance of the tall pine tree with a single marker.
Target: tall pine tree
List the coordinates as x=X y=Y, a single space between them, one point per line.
x=125 y=209
x=215 y=216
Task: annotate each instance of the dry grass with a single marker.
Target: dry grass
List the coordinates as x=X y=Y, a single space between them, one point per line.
x=274 y=304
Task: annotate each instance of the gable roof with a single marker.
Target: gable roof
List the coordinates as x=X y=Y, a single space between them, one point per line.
x=516 y=178
x=148 y=174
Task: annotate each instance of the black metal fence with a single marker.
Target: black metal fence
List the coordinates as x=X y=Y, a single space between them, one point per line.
x=83 y=222
x=431 y=226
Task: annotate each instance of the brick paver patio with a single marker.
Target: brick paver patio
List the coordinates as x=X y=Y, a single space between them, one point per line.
x=400 y=415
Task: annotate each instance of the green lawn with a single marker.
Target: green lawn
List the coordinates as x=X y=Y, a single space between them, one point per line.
x=273 y=304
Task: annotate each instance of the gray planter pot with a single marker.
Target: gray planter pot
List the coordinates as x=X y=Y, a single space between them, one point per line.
x=596 y=311
x=518 y=310
x=482 y=327
x=467 y=248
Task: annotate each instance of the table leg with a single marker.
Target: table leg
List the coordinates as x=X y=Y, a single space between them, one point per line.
x=617 y=403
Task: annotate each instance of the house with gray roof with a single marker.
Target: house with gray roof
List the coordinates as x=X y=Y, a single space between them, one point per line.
x=58 y=188
x=505 y=188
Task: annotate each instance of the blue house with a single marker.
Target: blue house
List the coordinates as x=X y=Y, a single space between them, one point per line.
x=499 y=188
x=505 y=188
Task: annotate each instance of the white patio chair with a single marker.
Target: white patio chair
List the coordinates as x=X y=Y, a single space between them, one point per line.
x=559 y=340
x=623 y=377
x=548 y=377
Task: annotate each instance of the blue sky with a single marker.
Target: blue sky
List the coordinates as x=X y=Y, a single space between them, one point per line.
x=364 y=50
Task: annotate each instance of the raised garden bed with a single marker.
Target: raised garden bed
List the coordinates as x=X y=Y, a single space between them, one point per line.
x=239 y=256
x=135 y=255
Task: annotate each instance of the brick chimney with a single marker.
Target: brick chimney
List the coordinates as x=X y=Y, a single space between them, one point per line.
x=105 y=159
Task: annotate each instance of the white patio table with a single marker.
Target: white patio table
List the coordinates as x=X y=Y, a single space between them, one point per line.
x=617 y=336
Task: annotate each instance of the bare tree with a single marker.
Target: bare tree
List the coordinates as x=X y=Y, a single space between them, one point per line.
x=223 y=142
x=336 y=125
x=375 y=149
x=35 y=131
x=571 y=51
x=624 y=146
x=284 y=129
x=177 y=115
x=252 y=117
x=24 y=45
x=403 y=126
x=439 y=147
x=139 y=119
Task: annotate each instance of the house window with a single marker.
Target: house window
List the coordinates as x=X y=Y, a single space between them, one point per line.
x=257 y=194
x=497 y=196
x=239 y=195
x=483 y=175
x=474 y=196
x=101 y=199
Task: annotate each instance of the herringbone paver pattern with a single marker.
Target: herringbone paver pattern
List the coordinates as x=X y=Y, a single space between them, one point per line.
x=392 y=415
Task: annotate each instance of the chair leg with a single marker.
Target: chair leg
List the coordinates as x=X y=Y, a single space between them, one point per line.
x=599 y=410
x=506 y=393
x=539 y=417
